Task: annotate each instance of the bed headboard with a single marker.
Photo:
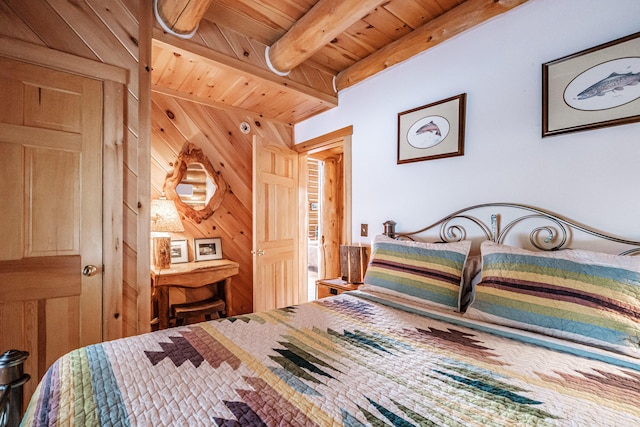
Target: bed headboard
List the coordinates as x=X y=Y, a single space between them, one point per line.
x=526 y=225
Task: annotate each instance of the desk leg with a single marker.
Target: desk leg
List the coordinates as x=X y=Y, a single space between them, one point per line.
x=163 y=307
x=228 y=300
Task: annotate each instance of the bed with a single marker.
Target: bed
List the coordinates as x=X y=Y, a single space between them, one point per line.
x=470 y=331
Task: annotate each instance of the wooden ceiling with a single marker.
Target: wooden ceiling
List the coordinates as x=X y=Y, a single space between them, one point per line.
x=328 y=45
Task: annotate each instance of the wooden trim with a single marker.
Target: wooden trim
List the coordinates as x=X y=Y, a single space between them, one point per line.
x=457 y=20
x=326 y=20
x=188 y=48
x=112 y=196
x=303 y=251
x=34 y=278
x=143 y=300
x=321 y=142
x=40 y=354
x=44 y=56
x=209 y=103
x=348 y=188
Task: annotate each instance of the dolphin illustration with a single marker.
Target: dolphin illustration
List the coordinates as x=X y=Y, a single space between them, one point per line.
x=615 y=82
x=429 y=127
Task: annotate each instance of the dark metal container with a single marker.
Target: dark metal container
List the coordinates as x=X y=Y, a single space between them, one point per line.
x=12 y=379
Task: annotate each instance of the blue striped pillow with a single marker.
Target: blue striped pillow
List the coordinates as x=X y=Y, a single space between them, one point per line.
x=424 y=272
x=588 y=297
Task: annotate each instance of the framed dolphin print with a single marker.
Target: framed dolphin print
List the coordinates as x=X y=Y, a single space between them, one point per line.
x=591 y=89
x=432 y=131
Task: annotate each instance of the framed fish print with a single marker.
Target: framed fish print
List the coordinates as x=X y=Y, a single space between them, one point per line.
x=592 y=89
x=433 y=131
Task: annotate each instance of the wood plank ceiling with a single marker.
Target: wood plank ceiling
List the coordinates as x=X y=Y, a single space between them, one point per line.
x=339 y=44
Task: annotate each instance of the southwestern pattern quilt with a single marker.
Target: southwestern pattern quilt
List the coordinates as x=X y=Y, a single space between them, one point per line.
x=343 y=360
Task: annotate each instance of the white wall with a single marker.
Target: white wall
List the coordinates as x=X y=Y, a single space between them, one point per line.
x=592 y=176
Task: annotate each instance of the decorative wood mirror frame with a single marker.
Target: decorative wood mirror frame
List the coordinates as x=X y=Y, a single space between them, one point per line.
x=191 y=154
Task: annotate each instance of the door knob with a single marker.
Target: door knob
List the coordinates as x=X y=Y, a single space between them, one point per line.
x=258 y=252
x=89 y=270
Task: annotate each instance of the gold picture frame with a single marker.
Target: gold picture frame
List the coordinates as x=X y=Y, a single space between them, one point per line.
x=593 y=88
x=433 y=131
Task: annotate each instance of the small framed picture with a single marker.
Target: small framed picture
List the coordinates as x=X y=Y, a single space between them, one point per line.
x=179 y=252
x=207 y=249
x=432 y=131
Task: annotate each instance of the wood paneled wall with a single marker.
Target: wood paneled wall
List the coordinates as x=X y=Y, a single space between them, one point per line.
x=115 y=32
x=118 y=32
x=176 y=122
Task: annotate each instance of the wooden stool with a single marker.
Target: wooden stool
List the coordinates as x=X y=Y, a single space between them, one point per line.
x=211 y=308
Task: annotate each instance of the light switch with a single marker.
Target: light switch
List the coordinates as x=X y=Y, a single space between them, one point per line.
x=364 y=230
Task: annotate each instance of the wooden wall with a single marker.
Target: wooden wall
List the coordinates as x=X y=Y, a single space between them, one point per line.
x=118 y=32
x=115 y=32
x=176 y=122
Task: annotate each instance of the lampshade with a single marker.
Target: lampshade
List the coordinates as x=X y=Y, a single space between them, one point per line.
x=165 y=217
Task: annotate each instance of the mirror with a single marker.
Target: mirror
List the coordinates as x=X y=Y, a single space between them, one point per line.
x=195 y=187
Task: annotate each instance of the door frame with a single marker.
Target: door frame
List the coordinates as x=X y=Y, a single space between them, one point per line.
x=114 y=81
x=339 y=139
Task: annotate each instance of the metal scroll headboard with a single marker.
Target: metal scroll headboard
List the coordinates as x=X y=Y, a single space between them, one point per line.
x=550 y=232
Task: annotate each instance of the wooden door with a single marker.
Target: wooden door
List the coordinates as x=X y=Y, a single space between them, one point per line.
x=275 y=226
x=51 y=213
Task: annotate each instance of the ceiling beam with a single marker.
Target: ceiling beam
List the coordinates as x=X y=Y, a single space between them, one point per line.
x=213 y=104
x=457 y=20
x=187 y=48
x=324 y=22
x=180 y=17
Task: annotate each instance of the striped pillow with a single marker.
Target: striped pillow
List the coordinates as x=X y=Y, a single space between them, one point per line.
x=424 y=272
x=588 y=297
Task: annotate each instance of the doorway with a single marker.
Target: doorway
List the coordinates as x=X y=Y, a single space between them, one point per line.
x=314 y=171
x=327 y=184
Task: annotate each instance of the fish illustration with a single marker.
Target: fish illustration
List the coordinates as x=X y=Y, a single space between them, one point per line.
x=429 y=127
x=615 y=82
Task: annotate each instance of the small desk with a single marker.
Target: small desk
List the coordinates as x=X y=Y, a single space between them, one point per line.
x=191 y=275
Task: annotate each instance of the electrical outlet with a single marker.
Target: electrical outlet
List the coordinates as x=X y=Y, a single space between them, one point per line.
x=364 y=230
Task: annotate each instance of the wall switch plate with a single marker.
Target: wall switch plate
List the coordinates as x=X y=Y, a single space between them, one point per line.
x=364 y=230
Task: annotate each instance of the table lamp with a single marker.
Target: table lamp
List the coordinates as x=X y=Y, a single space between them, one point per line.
x=164 y=219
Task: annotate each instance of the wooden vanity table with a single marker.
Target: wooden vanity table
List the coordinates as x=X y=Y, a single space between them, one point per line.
x=192 y=275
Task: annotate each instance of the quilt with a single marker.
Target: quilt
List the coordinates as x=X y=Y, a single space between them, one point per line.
x=339 y=361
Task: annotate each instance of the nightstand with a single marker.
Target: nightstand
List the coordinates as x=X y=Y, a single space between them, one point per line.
x=328 y=287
